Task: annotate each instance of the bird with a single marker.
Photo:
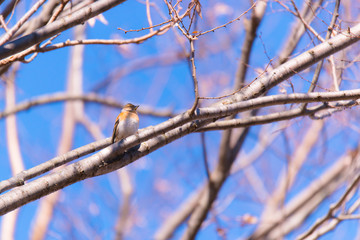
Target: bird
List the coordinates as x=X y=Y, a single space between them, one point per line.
x=126 y=124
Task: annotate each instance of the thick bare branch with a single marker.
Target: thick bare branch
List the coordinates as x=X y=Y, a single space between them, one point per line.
x=203 y=113
x=105 y=161
x=20 y=178
x=26 y=16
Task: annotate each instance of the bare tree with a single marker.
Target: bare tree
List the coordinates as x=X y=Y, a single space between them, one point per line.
x=248 y=115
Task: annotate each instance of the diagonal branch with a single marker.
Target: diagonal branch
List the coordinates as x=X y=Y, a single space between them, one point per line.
x=22 y=20
x=297 y=64
x=105 y=161
x=109 y=158
x=202 y=113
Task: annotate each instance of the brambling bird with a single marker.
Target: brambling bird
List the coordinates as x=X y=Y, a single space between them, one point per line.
x=126 y=124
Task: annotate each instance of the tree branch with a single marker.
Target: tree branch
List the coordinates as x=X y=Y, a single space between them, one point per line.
x=90 y=97
x=57 y=26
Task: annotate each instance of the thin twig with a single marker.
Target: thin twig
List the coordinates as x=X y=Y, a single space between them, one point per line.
x=298 y=29
x=193 y=74
x=10 y=8
x=298 y=14
x=148 y=15
x=83 y=42
x=58 y=11
x=3 y=24
x=225 y=25
x=145 y=28
x=177 y=18
x=33 y=48
x=320 y=64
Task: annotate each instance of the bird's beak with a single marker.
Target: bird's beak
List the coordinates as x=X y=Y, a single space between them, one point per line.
x=136 y=107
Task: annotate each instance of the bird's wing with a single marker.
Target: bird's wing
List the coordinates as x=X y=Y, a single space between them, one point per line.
x=115 y=129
